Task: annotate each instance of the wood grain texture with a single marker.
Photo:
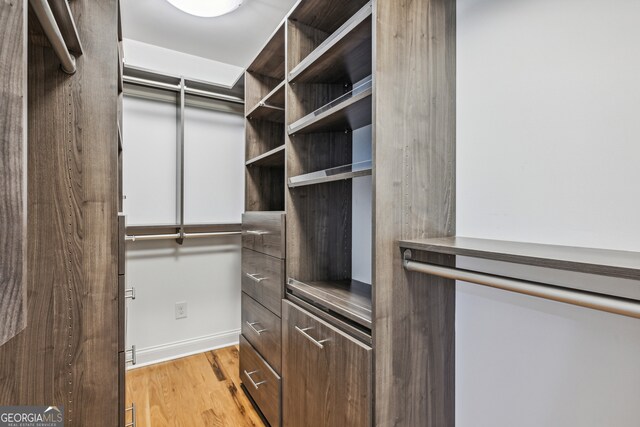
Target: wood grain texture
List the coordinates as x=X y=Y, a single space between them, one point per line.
x=261 y=382
x=269 y=291
x=603 y=262
x=323 y=387
x=264 y=232
x=414 y=197
x=13 y=169
x=270 y=61
x=196 y=391
x=68 y=354
x=325 y=15
x=264 y=333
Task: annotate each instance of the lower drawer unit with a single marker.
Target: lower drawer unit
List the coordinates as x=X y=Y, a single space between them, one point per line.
x=327 y=374
x=262 y=383
x=262 y=329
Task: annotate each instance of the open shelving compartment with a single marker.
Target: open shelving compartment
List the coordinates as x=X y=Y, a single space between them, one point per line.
x=329 y=163
x=265 y=128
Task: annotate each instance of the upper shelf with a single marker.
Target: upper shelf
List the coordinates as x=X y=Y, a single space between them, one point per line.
x=347 y=52
x=350 y=111
x=271 y=107
x=333 y=13
x=339 y=173
x=348 y=298
x=603 y=262
x=270 y=61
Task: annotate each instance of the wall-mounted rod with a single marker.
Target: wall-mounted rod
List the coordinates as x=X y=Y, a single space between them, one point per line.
x=622 y=306
x=52 y=31
x=176 y=88
x=173 y=236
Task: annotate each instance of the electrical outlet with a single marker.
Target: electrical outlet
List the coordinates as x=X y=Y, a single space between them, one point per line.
x=181 y=310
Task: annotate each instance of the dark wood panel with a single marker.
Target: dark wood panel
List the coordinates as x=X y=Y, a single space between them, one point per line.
x=13 y=169
x=348 y=298
x=263 y=384
x=267 y=284
x=584 y=260
x=328 y=386
x=325 y=15
x=264 y=188
x=264 y=232
x=270 y=60
x=262 y=329
x=271 y=158
x=262 y=136
x=68 y=354
x=414 y=197
x=257 y=87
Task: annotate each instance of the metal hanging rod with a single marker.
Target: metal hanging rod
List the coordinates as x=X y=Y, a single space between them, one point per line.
x=54 y=35
x=176 y=88
x=174 y=236
x=621 y=306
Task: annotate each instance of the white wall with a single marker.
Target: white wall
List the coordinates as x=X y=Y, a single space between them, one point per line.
x=204 y=273
x=361 y=230
x=547 y=104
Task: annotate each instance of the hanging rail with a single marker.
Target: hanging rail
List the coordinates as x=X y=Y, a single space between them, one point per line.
x=174 y=236
x=609 y=304
x=54 y=35
x=177 y=88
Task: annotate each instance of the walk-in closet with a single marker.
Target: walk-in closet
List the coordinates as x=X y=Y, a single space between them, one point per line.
x=319 y=213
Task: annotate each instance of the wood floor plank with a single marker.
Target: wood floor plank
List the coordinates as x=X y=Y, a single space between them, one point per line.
x=197 y=391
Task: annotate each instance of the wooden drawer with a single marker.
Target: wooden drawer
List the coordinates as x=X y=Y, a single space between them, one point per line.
x=264 y=232
x=261 y=382
x=263 y=279
x=328 y=373
x=121 y=244
x=262 y=329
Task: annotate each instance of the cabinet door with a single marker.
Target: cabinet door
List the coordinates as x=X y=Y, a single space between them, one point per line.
x=326 y=374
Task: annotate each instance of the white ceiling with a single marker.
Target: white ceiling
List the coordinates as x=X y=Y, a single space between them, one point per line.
x=234 y=38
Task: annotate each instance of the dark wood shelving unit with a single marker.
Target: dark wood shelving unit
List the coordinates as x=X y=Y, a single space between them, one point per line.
x=348 y=298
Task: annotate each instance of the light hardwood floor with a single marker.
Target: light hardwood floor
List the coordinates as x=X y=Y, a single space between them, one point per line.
x=196 y=391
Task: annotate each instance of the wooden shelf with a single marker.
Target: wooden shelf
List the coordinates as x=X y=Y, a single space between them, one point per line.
x=271 y=107
x=346 y=54
x=350 y=111
x=270 y=61
x=325 y=15
x=271 y=158
x=603 y=262
x=348 y=298
x=339 y=173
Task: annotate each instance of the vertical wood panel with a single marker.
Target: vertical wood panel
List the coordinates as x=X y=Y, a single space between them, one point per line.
x=68 y=353
x=414 y=196
x=13 y=169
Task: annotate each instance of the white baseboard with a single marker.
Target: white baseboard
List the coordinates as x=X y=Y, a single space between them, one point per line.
x=176 y=350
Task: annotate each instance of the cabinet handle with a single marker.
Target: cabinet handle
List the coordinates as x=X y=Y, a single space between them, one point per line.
x=251 y=325
x=134 y=358
x=133 y=422
x=257 y=232
x=254 y=278
x=130 y=293
x=310 y=338
x=255 y=384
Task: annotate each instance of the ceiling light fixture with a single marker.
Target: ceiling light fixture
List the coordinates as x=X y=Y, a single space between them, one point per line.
x=206 y=8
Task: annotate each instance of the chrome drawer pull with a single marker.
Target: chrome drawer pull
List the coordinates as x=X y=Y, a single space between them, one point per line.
x=133 y=422
x=257 y=232
x=259 y=332
x=254 y=278
x=255 y=384
x=134 y=358
x=130 y=293
x=310 y=338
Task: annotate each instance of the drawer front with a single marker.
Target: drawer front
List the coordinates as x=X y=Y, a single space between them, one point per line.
x=264 y=232
x=261 y=382
x=328 y=373
x=263 y=279
x=121 y=243
x=262 y=329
